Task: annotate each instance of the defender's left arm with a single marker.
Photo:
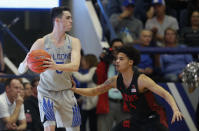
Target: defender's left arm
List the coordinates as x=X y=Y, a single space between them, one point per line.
x=147 y=83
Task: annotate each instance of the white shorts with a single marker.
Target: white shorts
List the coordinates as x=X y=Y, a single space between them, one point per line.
x=59 y=107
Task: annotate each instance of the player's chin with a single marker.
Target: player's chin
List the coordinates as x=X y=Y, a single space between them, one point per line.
x=117 y=68
x=68 y=28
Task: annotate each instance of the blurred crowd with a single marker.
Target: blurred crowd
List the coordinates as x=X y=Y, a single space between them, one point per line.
x=140 y=23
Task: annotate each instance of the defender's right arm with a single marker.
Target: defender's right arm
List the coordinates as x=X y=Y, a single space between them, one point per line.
x=100 y=89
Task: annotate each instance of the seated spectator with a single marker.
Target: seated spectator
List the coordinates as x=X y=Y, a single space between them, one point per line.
x=27 y=89
x=172 y=65
x=146 y=62
x=190 y=35
x=32 y=109
x=88 y=106
x=126 y=26
x=160 y=21
x=12 y=116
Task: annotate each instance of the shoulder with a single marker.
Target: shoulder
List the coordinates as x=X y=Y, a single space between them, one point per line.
x=142 y=78
x=137 y=20
x=93 y=68
x=73 y=39
x=171 y=18
x=145 y=82
x=2 y=98
x=151 y=20
x=114 y=15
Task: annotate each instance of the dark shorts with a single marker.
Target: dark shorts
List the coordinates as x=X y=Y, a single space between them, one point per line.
x=149 y=124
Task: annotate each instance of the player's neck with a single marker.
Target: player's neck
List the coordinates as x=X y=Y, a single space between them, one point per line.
x=58 y=37
x=127 y=76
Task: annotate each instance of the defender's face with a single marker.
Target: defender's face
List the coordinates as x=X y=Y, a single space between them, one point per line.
x=66 y=21
x=123 y=62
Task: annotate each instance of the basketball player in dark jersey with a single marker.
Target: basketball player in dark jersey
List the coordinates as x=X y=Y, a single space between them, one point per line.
x=137 y=90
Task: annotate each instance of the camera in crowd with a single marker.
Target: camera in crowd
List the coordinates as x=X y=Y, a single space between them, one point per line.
x=107 y=55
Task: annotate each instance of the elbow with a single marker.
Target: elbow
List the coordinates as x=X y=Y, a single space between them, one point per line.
x=75 y=67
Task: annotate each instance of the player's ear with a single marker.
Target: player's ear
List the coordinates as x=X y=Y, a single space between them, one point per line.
x=131 y=62
x=57 y=19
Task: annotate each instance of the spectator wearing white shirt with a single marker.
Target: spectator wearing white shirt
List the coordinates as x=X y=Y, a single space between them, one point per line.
x=12 y=116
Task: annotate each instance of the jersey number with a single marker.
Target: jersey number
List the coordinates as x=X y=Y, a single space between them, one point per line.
x=59 y=72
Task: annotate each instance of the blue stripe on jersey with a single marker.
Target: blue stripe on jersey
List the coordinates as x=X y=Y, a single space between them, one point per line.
x=76 y=116
x=48 y=110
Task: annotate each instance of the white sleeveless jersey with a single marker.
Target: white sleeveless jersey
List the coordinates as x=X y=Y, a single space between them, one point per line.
x=54 y=80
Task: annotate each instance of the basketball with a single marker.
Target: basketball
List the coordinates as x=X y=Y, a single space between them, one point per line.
x=35 y=60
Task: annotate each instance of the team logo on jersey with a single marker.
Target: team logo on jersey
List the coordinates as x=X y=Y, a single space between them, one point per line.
x=126 y=123
x=133 y=90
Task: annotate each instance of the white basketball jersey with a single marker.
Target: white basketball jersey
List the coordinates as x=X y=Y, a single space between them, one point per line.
x=54 y=80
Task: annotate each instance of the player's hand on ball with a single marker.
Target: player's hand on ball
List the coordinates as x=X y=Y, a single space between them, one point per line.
x=49 y=64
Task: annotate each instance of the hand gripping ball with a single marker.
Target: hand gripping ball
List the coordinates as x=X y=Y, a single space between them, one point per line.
x=35 y=60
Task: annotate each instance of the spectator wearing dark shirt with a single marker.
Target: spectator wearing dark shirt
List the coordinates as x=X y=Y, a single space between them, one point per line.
x=32 y=109
x=190 y=35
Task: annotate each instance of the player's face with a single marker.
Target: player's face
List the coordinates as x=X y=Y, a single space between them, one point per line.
x=123 y=63
x=66 y=21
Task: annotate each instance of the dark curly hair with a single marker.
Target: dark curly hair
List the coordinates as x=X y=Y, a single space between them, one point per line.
x=131 y=53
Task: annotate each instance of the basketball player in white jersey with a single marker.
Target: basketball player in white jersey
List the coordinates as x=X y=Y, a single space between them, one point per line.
x=57 y=103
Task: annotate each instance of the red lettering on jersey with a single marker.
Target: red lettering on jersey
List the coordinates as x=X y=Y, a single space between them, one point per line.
x=126 y=123
x=132 y=106
x=130 y=98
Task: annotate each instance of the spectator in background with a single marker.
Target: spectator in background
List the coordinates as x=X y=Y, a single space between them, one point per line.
x=190 y=35
x=110 y=108
x=114 y=7
x=160 y=21
x=187 y=12
x=88 y=104
x=12 y=116
x=141 y=6
x=172 y=65
x=146 y=62
x=27 y=89
x=2 y=65
x=126 y=26
x=32 y=109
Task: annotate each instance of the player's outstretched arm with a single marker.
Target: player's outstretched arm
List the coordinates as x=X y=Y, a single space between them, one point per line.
x=100 y=89
x=23 y=67
x=149 y=84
